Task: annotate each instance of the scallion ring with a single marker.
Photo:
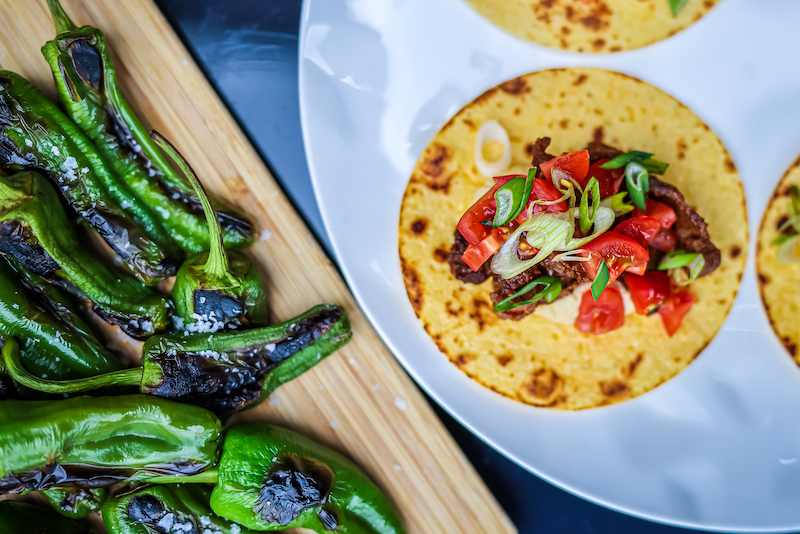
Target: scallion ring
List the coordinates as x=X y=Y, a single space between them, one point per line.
x=550 y=292
x=638 y=184
x=508 y=199
x=526 y=194
x=600 y=280
x=585 y=215
x=676 y=5
x=654 y=166
x=677 y=258
x=617 y=204
x=623 y=159
x=491 y=131
x=789 y=251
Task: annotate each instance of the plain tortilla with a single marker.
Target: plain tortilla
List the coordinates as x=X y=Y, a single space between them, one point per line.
x=538 y=360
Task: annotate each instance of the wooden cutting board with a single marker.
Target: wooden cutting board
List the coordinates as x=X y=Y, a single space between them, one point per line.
x=359 y=401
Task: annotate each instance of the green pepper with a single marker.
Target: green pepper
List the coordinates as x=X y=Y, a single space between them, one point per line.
x=17 y=517
x=166 y=509
x=35 y=231
x=217 y=289
x=56 y=342
x=76 y=502
x=91 y=442
x=223 y=372
x=87 y=85
x=35 y=134
x=270 y=478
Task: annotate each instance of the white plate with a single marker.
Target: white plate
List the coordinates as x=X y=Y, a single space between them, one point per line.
x=716 y=447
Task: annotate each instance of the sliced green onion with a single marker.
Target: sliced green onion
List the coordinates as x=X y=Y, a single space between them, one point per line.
x=548 y=230
x=508 y=198
x=638 y=184
x=603 y=220
x=617 y=204
x=783 y=239
x=600 y=281
x=526 y=194
x=795 y=204
x=579 y=254
x=677 y=258
x=585 y=215
x=789 y=253
x=628 y=157
x=552 y=288
x=654 y=166
x=793 y=222
x=676 y=5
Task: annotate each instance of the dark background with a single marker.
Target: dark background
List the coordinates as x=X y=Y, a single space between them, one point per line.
x=248 y=49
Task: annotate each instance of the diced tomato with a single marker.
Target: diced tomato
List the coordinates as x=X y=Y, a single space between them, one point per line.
x=659 y=210
x=476 y=255
x=675 y=309
x=648 y=291
x=665 y=240
x=621 y=253
x=576 y=164
x=603 y=315
x=470 y=223
x=500 y=181
x=643 y=229
x=609 y=180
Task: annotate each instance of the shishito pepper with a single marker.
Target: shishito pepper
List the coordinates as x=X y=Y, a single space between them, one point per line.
x=35 y=231
x=18 y=517
x=170 y=508
x=87 y=85
x=90 y=442
x=270 y=478
x=55 y=342
x=35 y=134
x=76 y=502
x=223 y=372
x=216 y=289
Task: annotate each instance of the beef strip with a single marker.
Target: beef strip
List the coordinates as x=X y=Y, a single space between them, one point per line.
x=598 y=151
x=538 y=151
x=690 y=227
x=461 y=270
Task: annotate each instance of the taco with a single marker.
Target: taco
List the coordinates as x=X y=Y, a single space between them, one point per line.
x=778 y=260
x=593 y=25
x=565 y=349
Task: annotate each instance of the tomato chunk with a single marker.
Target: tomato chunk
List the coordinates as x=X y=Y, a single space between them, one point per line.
x=648 y=291
x=476 y=255
x=659 y=210
x=675 y=309
x=500 y=181
x=470 y=223
x=665 y=240
x=576 y=164
x=609 y=180
x=643 y=229
x=621 y=253
x=603 y=315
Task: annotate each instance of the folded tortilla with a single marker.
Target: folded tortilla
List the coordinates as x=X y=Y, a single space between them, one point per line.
x=780 y=283
x=591 y=25
x=542 y=359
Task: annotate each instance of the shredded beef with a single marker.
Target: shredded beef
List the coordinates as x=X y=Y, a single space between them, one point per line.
x=538 y=151
x=692 y=230
x=460 y=269
x=598 y=151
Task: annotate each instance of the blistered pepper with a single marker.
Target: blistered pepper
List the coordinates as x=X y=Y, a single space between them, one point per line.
x=224 y=372
x=217 y=289
x=166 y=509
x=87 y=85
x=35 y=231
x=18 y=517
x=76 y=502
x=91 y=442
x=270 y=478
x=35 y=134
x=55 y=342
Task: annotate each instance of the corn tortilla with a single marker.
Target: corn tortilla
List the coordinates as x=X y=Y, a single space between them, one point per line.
x=543 y=360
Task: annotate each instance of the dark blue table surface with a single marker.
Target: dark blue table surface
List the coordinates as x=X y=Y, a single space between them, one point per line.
x=248 y=49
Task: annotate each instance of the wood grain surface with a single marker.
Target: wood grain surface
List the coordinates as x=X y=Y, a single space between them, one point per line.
x=359 y=401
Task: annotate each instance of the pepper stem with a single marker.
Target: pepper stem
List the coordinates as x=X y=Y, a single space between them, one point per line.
x=60 y=17
x=15 y=369
x=209 y=476
x=216 y=265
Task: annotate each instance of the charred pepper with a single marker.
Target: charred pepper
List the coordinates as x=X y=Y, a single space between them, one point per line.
x=270 y=478
x=166 y=509
x=90 y=442
x=35 y=231
x=55 y=342
x=35 y=134
x=18 y=517
x=217 y=289
x=76 y=502
x=87 y=85
x=223 y=372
